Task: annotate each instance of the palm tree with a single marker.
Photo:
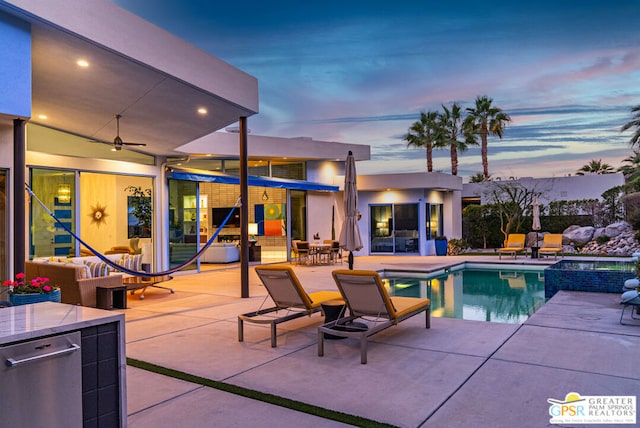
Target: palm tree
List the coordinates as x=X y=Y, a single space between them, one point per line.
x=483 y=120
x=423 y=134
x=478 y=177
x=450 y=130
x=595 y=167
x=633 y=167
x=634 y=123
x=631 y=171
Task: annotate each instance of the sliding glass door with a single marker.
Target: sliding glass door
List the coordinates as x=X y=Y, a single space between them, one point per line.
x=185 y=214
x=394 y=228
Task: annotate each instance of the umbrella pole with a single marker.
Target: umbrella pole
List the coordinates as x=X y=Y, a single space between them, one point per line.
x=350 y=259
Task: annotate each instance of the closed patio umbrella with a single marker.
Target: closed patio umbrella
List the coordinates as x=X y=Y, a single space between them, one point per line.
x=350 y=234
x=536 y=217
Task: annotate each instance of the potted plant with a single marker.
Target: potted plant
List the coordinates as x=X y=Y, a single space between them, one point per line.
x=139 y=203
x=441 y=245
x=22 y=292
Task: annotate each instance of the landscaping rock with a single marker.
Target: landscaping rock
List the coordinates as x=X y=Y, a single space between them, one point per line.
x=623 y=245
x=622 y=242
x=616 y=229
x=578 y=235
x=598 y=232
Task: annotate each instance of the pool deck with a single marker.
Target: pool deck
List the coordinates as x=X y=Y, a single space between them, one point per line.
x=456 y=374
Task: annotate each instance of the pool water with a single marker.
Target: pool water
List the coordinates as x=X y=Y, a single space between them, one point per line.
x=481 y=294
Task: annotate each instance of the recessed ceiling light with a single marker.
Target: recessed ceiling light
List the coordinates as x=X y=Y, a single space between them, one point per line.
x=43 y=116
x=202 y=111
x=83 y=63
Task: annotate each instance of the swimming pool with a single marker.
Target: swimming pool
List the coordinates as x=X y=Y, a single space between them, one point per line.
x=495 y=293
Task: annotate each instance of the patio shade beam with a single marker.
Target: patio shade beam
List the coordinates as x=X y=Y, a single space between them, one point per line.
x=244 y=210
x=19 y=195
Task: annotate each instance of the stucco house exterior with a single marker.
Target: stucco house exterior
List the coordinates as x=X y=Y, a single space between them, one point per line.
x=95 y=101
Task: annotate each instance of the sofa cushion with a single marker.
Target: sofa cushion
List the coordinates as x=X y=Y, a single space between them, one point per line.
x=131 y=262
x=97 y=269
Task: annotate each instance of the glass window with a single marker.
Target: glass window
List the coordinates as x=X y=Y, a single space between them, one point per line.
x=291 y=170
x=434 y=226
x=56 y=190
x=232 y=167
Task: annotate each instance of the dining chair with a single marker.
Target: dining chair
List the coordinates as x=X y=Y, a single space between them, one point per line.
x=303 y=252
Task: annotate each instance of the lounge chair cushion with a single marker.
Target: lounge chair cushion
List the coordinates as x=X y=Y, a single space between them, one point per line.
x=407 y=305
x=631 y=297
x=631 y=284
x=319 y=297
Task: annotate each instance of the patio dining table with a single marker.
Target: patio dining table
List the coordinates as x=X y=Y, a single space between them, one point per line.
x=317 y=251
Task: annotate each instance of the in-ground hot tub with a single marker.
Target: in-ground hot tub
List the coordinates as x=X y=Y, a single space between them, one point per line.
x=596 y=276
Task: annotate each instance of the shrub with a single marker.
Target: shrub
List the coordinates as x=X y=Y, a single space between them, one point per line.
x=456 y=246
x=602 y=239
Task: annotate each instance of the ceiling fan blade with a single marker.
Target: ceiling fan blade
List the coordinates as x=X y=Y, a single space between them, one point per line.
x=117 y=141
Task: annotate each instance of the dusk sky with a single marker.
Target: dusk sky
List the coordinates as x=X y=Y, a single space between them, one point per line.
x=567 y=72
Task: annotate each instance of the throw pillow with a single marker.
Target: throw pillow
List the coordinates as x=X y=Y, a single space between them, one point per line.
x=97 y=269
x=131 y=262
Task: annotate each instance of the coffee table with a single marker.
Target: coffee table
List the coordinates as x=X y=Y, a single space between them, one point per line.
x=134 y=283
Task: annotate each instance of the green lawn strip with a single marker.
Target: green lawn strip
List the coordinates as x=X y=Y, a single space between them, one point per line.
x=260 y=396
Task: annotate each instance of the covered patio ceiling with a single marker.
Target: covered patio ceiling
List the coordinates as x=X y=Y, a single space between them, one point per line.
x=157 y=108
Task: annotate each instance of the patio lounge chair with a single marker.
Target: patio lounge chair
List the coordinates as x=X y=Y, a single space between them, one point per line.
x=551 y=244
x=368 y=301
x=515 y=243
x=289 y=297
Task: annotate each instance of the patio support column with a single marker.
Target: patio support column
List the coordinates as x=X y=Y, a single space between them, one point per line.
x=244 y=210
x=19 y=198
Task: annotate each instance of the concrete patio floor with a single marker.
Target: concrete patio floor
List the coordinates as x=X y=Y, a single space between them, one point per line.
x=456 y=374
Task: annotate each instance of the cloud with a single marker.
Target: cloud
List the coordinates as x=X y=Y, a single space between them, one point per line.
x=567 y=75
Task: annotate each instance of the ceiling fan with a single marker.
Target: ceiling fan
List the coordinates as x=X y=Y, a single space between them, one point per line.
x=117 y=141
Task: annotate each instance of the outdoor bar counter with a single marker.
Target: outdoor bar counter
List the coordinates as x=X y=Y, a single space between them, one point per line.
x=92 y=388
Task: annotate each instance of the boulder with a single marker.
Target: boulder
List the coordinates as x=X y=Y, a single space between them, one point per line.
x=571 y=228
x=598 y=232
x=616 y=229
x=578 y=235
x=531 y=239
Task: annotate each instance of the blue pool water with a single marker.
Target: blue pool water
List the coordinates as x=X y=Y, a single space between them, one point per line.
x=482 y=293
